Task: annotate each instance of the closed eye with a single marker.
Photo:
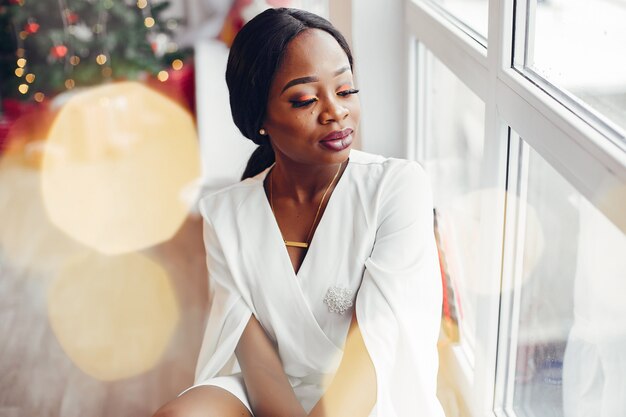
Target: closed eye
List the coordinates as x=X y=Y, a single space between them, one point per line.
x=303 y=103
x=344 y=93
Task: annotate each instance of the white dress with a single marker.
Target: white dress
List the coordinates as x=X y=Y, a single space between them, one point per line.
x=375 y=238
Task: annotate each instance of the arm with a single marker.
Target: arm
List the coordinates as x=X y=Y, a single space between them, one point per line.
x=353 y=389
x=269 y=390
x=399 y=308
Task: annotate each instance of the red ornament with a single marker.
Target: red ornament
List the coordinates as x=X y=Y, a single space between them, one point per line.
x=71 y=17
x=15 y=2
x=58 y=51
x=31 y=27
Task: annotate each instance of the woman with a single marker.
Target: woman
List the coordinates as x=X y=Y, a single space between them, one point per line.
x=324 y=276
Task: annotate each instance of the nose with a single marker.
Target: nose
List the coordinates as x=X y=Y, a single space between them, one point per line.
x=333 y=112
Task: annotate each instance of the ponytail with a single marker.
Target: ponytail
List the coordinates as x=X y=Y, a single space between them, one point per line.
x=261 y=158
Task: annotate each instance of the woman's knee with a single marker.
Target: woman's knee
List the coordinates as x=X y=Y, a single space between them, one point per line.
x=205 y=401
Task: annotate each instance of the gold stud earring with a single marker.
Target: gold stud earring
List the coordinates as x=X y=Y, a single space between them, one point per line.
x=262 y=132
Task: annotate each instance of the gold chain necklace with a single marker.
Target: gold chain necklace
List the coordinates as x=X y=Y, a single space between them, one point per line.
x=302 y=244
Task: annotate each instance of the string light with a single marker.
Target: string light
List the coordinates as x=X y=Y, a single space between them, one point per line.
x=142 y=3
x=21 y=62
x=30 y=78
x=101 y=59
x=177 y=64
x=74 y=60
x=163 y=76
x=19 y=72
x=69 y=84
x=23 y=88
x=23 y=35
x=149 y=22
x=39 y=96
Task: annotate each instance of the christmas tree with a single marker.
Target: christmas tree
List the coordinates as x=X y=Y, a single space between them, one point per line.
x=50 y=46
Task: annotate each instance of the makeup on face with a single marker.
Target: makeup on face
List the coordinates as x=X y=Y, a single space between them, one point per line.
x=305 y=100
x=312 y=108
x=337 y=141
x=311 y=79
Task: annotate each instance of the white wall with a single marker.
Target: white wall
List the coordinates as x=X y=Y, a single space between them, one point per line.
x=225 y=151
x=376 y=30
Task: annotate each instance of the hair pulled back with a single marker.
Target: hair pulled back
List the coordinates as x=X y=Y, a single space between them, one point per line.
x=255 y=56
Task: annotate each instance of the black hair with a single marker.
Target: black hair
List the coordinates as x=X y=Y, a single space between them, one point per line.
x=255 y=56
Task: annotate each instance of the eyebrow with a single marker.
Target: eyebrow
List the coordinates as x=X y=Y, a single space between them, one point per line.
x=306 y=80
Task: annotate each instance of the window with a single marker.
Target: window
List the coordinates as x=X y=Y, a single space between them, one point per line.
x=470 y=15
x=535 y=132
x=453 y=153
x=565 y=310
x=572 y=49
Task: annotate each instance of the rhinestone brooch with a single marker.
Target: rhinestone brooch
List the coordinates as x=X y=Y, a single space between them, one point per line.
x=338 y=299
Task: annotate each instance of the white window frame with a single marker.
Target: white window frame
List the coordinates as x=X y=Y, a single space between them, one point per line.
x=575 y=149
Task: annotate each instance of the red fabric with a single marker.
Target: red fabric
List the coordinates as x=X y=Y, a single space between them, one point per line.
x=234 y=20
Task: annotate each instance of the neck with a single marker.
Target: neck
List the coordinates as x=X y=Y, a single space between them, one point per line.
x=302 y=183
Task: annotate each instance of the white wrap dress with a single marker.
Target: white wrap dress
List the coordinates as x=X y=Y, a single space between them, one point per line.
x=376 y=239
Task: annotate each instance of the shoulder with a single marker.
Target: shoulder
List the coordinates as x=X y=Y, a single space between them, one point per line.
x=385 y=173
x=227 y=199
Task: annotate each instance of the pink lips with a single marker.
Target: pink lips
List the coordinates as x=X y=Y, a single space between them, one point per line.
x=338 y=140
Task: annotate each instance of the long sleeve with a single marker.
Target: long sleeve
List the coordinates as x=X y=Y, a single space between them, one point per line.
x=399 y=302
x=228 y=313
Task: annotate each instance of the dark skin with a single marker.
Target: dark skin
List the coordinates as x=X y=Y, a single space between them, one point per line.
x=298 y=116
x=303 y=171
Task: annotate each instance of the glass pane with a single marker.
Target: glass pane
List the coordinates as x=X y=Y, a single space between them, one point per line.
x=571 y=342
x=578 y=46
x=472 y=14
x=453 y=156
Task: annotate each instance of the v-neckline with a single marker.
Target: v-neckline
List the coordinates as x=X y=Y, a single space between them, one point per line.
x=276 y=229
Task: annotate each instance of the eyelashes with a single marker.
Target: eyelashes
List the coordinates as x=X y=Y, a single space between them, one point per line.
x=344 y=93
x=302 y=103
x=308 y=101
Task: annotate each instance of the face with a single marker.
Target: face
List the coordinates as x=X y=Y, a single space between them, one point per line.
x=313 y=110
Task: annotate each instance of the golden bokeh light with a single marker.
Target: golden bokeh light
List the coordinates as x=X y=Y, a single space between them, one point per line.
x=101 y=59
x=30 y=78
x=39 y=96
x=19 y=72
x=28 y=239
x=123 y=172
x=177 y=64
x=163 y=76
x=21 y=62
x=149 y=22
x=23 y=88
x=113 y=316
x=69 y=83
x=74 y=60
x=142 y=4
